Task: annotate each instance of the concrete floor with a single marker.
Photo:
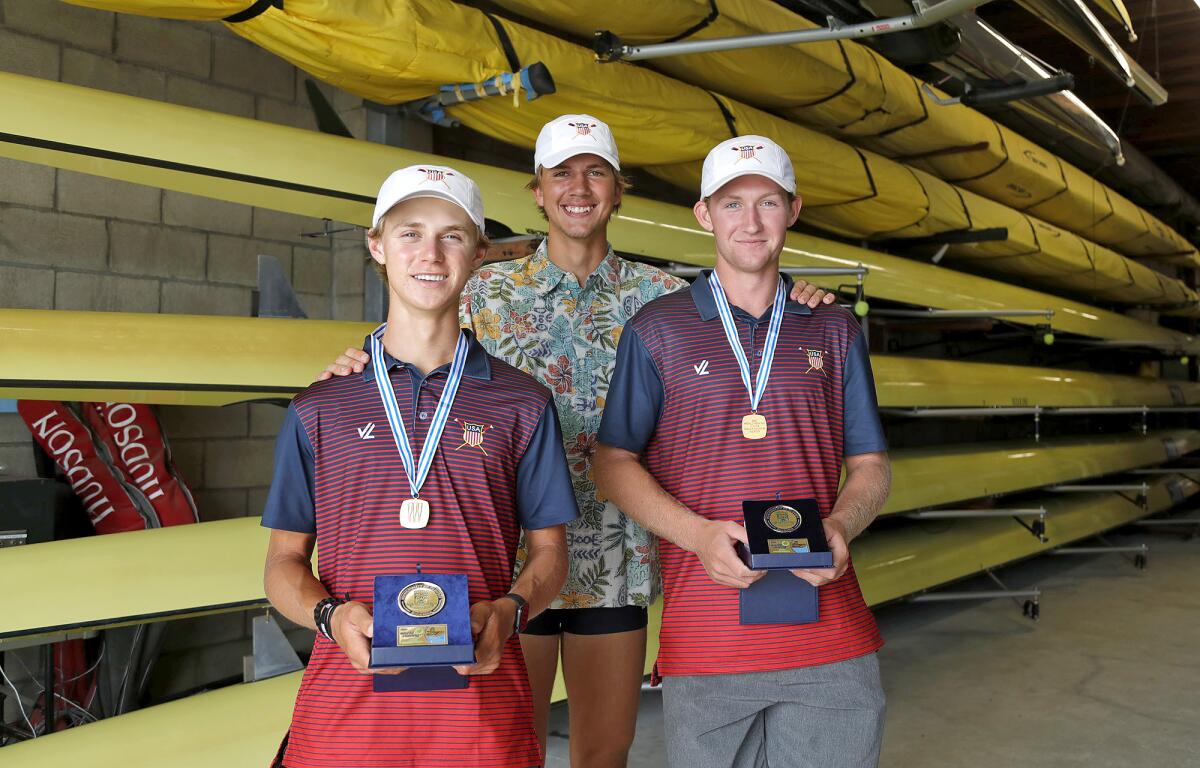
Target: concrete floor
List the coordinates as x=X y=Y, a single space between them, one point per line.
x=1109 y=675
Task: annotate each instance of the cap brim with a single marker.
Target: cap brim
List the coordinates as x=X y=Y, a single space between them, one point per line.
x=436 y=194
x=708 y=190
x=555 y=159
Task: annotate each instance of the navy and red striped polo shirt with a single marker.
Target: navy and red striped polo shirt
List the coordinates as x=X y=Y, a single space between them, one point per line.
x=677 y=399
x=339 y=476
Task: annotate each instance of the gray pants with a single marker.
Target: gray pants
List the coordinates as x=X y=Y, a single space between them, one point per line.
x=830 y=716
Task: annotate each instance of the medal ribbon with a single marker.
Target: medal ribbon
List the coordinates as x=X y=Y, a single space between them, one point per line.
x=731 y=334
x=419 y=470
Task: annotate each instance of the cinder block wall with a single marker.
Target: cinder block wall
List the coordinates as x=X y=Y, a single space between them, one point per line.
x=76 y=242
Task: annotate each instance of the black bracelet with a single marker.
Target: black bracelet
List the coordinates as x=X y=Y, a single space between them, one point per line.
x=323 y=613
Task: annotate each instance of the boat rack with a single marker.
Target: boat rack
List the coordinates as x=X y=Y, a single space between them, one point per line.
x=1044 y=330
x=1141 y=489
x=1140 y=552
x=1031 y=607
x=609 y=47
x=1037 y=527
x=1037 y=411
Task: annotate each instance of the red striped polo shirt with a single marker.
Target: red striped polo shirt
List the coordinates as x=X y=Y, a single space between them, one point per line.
x=339 y=475
x=677 y=399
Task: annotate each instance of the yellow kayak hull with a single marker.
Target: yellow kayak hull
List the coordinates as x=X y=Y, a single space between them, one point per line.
x=253 y=163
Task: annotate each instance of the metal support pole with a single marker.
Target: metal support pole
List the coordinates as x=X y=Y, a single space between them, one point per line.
x=1141 y=488
x=1140 y=552
x=952 y=514
x=998 y=410
x=1142 y=548
x=608 y=47
x=1030 y=608
x=48 y=701
x=1167 y=522
x=955 y=314
x=1164 y=471
x=979 y=594
x=1037 y=528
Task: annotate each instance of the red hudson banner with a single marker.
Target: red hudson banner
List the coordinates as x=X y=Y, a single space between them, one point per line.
x=136 y=446
x=111 y=507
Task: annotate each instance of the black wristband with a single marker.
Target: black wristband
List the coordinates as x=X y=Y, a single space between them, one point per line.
x=323 y=613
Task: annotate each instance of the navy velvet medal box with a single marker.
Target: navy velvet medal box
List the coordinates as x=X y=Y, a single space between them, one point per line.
x=429 y=639
x=783 y=534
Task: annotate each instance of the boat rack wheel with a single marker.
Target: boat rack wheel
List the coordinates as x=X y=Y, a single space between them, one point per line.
x=1031 y=609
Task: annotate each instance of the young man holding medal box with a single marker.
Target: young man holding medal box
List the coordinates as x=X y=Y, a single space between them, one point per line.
x=728 y=397
x=422 y=471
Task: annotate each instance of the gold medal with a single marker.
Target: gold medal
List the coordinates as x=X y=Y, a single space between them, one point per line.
x=414 y=513
x=421 y=599
x=754 y=426
x=781 y=518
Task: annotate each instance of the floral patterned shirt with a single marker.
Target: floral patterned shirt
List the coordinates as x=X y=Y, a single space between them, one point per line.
x=537 y=317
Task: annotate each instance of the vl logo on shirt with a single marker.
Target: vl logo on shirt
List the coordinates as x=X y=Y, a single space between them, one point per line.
x=701 y=368
x=367 y=432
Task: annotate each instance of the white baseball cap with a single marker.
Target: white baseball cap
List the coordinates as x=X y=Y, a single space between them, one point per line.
x=746 y=156
x=564 y=137
x=430 y=181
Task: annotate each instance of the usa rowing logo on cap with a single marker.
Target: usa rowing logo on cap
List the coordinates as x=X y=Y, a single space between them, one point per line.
x=583 y=129
x=816 y=361
x=433 y=175
x=747 y=152
x=473 y=435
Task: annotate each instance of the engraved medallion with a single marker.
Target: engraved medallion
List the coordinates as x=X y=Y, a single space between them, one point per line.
x=781 y=518
x=421 y=599
x=754 y=426
x=414 y=513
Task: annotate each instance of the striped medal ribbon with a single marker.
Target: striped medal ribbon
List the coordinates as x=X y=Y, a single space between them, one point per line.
x=754 y=425
x=414 y=512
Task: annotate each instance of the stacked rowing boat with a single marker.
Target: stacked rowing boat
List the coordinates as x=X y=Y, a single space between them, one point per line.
x=876 y=159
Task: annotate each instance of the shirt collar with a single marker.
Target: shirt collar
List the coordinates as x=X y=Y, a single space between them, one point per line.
x=477 y=366
x=706 y=305
x=544 y=275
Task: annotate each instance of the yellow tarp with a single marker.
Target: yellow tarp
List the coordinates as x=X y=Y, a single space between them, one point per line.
x=848 y=90
x=404 y=49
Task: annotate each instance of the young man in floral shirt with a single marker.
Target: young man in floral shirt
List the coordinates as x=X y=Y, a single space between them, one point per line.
x=558 y=314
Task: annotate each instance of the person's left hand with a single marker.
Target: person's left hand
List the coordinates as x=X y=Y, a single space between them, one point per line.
x=804 y=292
x=835 y=534
x=492 y=625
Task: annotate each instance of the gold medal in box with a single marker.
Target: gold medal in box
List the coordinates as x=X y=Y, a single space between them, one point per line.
x=421 y=600
x=781 y=518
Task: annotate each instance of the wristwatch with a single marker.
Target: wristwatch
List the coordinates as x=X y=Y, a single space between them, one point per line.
x=521 y=617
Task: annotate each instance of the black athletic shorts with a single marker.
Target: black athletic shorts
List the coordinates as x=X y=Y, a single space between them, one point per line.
x=587 y=621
